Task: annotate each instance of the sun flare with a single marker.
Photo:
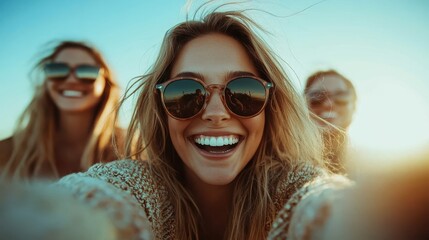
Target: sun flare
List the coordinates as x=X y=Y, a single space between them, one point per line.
x=391 y=118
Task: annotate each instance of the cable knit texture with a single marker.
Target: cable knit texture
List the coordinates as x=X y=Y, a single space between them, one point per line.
x=140 y=207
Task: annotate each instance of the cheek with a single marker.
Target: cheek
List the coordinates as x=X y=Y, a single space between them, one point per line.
x=50 y=88
x=99 y=86
x=348 y=109
x=177 y=131
x=255 y=128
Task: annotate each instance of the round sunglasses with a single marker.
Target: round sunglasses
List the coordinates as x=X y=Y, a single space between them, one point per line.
x=341 y=98
x=184 y=98
x=60 y=71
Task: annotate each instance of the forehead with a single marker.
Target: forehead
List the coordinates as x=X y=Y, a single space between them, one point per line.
x=212 y=56
x=74 y=56
x=328 y=83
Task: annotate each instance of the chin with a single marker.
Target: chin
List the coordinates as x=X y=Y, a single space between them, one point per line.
x=218 y=179
x=218 y=182
x=74 y=108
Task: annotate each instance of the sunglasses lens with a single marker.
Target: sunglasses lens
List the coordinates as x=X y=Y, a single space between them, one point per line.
x=341 y=102
x=245 y=96
x=56 y=71
x=317 y=99
x=342 y=98
x=87 y=73
x=184 y=98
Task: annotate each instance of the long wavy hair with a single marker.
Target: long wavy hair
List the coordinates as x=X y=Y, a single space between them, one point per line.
x=290 y=140
x=33 y=138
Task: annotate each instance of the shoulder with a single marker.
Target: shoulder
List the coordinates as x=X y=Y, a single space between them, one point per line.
x=295 y=179
x=118 y=168
x=123 y=174
x=131 y=176
x=6 y=148
x=121 y=171
x=292 y=181
x=134 y=177
x=110 y=172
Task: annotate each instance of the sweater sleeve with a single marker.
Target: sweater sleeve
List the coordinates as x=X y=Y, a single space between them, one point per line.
x=123 y=210
x=307 y=211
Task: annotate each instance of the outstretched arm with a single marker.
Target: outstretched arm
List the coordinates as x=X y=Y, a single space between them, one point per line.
x=125 y=213
x=385 y=204
x=76 y=207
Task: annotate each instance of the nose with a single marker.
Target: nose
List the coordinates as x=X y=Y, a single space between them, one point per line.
x=327 y=103
x=72 y=77
x=215 y=110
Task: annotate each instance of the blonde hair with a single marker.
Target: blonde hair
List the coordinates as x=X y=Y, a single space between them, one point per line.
x=290 y=139
x=33 y=139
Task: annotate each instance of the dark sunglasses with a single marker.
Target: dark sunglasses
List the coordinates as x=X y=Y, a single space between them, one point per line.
x=185 y=98
x=316 y=99
x=60 y=71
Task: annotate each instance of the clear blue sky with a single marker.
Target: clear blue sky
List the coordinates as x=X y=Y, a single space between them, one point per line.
x=381 y=45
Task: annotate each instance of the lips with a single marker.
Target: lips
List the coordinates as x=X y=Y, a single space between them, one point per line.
x=216 y=144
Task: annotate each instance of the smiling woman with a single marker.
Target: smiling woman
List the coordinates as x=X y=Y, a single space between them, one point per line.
x=218 y=170
x=331 y=98
x=216 y=122
x=231 y=150
x=67 y=127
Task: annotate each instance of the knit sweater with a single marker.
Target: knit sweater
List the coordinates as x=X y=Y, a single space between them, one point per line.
x=139 y=206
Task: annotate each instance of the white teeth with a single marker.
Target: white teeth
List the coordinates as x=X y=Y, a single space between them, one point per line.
x=328 y=114
x=216 y=141
x=72 y=93
x=213 y=141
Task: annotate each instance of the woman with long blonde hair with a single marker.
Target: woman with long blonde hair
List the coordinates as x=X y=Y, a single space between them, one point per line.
x=230 y=145
x=69 y=123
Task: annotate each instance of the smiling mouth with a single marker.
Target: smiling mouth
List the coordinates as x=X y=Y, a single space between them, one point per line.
x=329 y=115
x=217 y=144
x=72 y=93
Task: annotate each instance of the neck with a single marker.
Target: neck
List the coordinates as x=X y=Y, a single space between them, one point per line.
x=71 y=138
x=214 y=203
x=74 y=127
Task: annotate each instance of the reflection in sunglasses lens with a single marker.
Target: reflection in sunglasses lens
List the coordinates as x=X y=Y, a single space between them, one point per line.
x=339 y=99
x=184 y=98
x=56 y=71
x=245 y=96
x=87 y=73
x=60 y=71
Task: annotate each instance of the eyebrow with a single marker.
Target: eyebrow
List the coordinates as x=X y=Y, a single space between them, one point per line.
x=233 y=74
x=189 y=74
x=229 y=75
